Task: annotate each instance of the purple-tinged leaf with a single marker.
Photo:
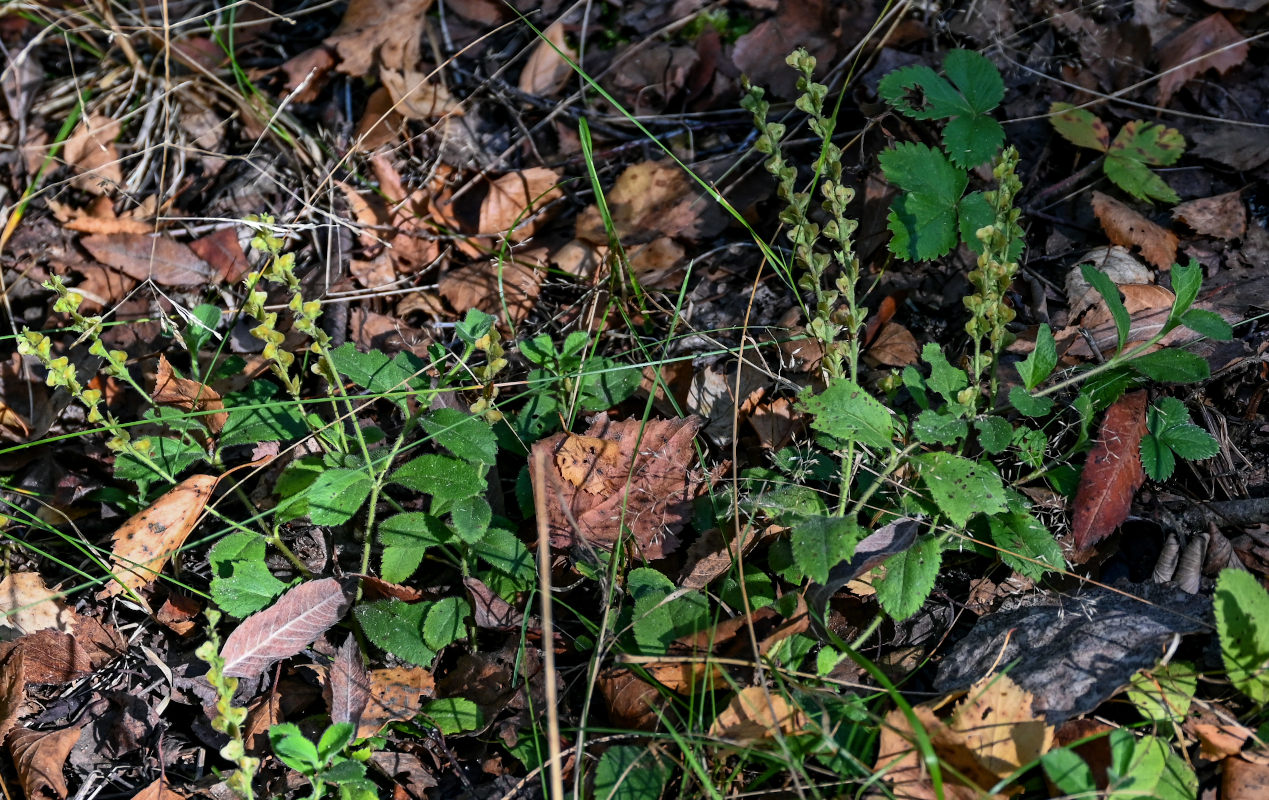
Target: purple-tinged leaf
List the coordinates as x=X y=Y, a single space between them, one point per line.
x=283 y=630
x=348 y=687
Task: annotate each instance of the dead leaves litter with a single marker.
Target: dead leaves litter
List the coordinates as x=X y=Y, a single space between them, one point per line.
x=1126 y=227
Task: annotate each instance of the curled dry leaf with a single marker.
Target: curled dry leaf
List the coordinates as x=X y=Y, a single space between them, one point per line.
x=38 y=758
x=188 y=395
x=12 y=690
x=515 y=201
x=284 y=629
x=28 y=605
x=1112 y=474
x=546 y=72
x=758 y=713
x=143 y=544
x=1126 y=227
x=1210 y=43
x=622 y=475
x=386 y=28
x=1223 y=216
x=159 y=258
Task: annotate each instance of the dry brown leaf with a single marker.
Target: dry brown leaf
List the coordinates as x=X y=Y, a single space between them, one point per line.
x=159 y=258
x=179 y=614
x=545 y=71
x=380 y=123
x=895 y=346
x=415 y=96
x=631 y=701
x=1219 y=740
x=659 y=263
x=38 y=757
x=1112 y=473
x=395 y=694
x=590 y=464
x=1223 y=216
x=98 y=217
x=776 y=422
x=390 y=29
x=143 y=544
x=90 y=151
x=757 y=713
x=487 y=284
x=1126 y=227
x=648 y=200
x=188 y=395
x=12 y=689
x=161 y=789
x=1148 y=307
x=28 y=605
x=263 y=713
x=347 y=688
x=579 y=258
x=285 y=628
x=1210 y=43
x=489 y=610
x=999 y=725
x=906 y=771
x=102 y=288
x=515 y=201
x=1242 y=779
x=306 y=73
x=653 y=485
x=223 y=253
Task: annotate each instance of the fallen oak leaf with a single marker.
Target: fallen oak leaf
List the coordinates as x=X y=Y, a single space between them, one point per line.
x=143 y=544
x=284 y=629
x=1112 y=474
x=143 y=257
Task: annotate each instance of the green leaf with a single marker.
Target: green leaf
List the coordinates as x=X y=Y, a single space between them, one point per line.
x=960 y=487
x=1068 y=772
x=1242 y=620
x=909 y=579
x=972 y=140
x=1136 y=765
x=1172 y=366
x=539 y=350
x=441 y=477
x=821 y=543
x=173 y=455
x=248 y=588
x=1156 y=458
x=453 y=715
x=1207 y=323
x=923 y=217
x=337 y=495
x=1169 y=423
x=938 y=97
x=1110 y=293
x=845 y=410
x=1164 y=694
x=631 y=772
x=1024 y=541
x=1178 y=781
x=943 y=426
x=405 y=539
x=1040 y=362
x=293 y=747
x=657 y=622
x=397 y=627
x=1137 y=180
x=976 y=77
x=336 y=737
x=1028 y=405
x=204 y=319
x=466 y=436
x=1138 y=146
x=994 y=433
x=944 y=378
x=443 y=624
x=604 y=384
x=475 y=325
x=377 y=373
x=471 y=516
x=1079 y=126
x=256 y=416
x=1186 y=282
x=500 y=549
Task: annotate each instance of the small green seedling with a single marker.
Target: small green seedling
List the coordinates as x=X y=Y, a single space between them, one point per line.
x=1136 y=148
x=325 y=761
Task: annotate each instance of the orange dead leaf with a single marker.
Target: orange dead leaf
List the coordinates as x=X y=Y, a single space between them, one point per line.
x=1223 y=216
x=1242 y=779
x=145 y=542
x=590 y=464
x=1219 y=740
x=999 y=725
x=905 y=770
x=546 y=72
x=757 y=713
x=416 y=96
x=648 y=200
x=38 y=757
x=161 y=789
x=514 y=202
x=485 y=285
x=395 y=694
x=1112 y=474
x=188 y=395
x=1126 y=227
x=1210 y=43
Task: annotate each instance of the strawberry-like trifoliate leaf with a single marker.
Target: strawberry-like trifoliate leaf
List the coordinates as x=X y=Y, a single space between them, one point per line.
x=1171 y=432
x=1079 y=126
x=923 y=217
x=1137 y=147
x=973 y=139
x=977 y=79
x=919 y=93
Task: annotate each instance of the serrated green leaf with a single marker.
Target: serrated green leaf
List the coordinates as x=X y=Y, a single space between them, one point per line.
x=1171 y=431
x=944 y=378
x=1191 y=442
x=337 y=495
x=847 y=411
x=440 y=476
x=923 y=218
x=1028 y=405
x=916 y=387
x=378 y=373
x=939 y=427
x=1137 y=180
x=631 y=772
x=1172 y=366
x=397 y=564
x=938 y=97
x=1186 y=281
x=453 y=715
x=173 y=455
x=656 y=621
x=1208 y=323
x=500 y=549
x=294 y=748
x=1040 y=362
x=972 y=140
x=1023 y=542
x=960 y=487
x=256 y=416
x=909 y=578
x=1242 y=620
x=236 y=546
x=471 y=516
x=397 y=627
x=821 y=543
x=976 y=77
x=1136 y=765
x=334 y=739
x=1178 y=781
x=1110 y=293
x=406 y=538
x=1156 y=458
x=443 y=624
x=1148 y=143
x=1079 y=126
x=466 y=436
x=248 y=588
x=994 y=433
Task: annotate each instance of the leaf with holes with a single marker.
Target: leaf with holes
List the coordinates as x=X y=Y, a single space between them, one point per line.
x=290 y=625
x=960 y=487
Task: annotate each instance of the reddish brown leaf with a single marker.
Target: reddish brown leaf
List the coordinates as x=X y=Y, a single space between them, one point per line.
x=1210 y=43
x=12 y=690
x=485 y=285
x=292 y=623
x=545 y=71
x=90 y=150
x=632 y=702
x=143 y=544
x=652 y=199
x=165 y=261
x=1126 y=227
x=348 y=684
x=514 y=202
x=38 y=757
x=489 y=610
x=392 y=30
x=223 y=253
x=178 y=613
x=1243 y=779
x=621 y=475
x=188 y=395
x=1222 y=216
x=1112 y=474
